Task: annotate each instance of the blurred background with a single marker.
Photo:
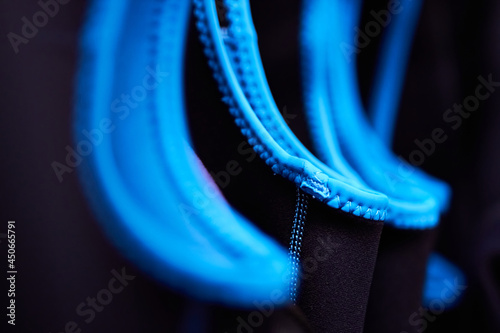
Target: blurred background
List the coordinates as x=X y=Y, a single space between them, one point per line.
x=62 y=256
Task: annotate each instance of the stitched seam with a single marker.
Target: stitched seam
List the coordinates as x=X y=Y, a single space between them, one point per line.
x=264 y=153
x=239 y=45
x=239 y=50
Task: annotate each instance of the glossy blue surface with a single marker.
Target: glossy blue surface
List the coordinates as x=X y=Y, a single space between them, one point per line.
x=264 y=126
x=445 y=284
x=149 y=190
x=337 y=119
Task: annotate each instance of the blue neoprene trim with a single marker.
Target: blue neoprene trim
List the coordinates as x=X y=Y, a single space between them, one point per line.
x=242 y=47
x=445 y=283
x=309 y=177
x=409 y=206
x=390 y=72
x=252 y=79
x=316 y=95
x=388 y=86
x=442 y=276
x=150 y=192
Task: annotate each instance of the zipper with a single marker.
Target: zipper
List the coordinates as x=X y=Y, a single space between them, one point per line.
x=296 y=242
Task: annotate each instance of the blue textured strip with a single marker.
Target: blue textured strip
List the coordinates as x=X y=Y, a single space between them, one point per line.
x=150 y=192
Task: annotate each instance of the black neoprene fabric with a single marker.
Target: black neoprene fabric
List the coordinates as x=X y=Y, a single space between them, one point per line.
x=335 y=290
x=373 y=272
x=339 y=250
x=397 y=287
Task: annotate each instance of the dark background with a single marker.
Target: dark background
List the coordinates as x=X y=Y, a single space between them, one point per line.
x=62 y=257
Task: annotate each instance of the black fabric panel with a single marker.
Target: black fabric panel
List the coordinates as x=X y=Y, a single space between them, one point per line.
x=338 y=260
x=410 y=248
x=396 y=292
x=264 y=318
x=335 y=290
x=455 y=43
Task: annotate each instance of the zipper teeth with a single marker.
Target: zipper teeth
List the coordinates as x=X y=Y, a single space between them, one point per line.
x=296 y=241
